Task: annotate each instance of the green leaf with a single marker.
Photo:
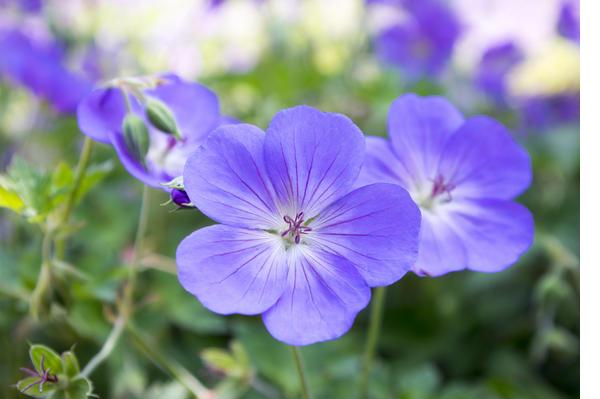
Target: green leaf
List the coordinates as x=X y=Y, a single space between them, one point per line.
x=94 y=175
x=32 y=186
x=219 y=359
x=52 y=360
x=29 y=386
x=70 y=364
x=11 y=200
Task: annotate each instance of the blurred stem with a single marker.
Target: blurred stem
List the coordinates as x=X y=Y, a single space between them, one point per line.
x=81 y=168
x=126 y=304
x=372 y=338
x=40 y=292
x=170 y=366
x=106 y=349
x=300 y=368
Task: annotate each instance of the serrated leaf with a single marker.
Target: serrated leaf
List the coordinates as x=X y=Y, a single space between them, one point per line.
x=52 y=360
x=70 y=364
x=29 y=386
x=32 y=186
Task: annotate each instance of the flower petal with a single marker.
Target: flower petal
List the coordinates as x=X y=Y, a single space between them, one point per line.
x=134 y=166
x=375 y=227
x=494 y=232
x=323 y=295
x=226 y=179
x=382 y=165
x=195 y=107
x=441 y=250
x=100 y=113
x=233 y=270
x=313 y=157
x=419 y=128
x=483 y=161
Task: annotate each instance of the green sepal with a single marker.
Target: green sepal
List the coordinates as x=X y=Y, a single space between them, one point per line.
x=161 y=117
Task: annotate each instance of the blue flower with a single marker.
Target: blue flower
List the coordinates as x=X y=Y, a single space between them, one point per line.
x=421 y=44
x=568 y=20
x=295 y=243
x=464 y=175
x=195 y=110
x=494 y=67
x=40 y=68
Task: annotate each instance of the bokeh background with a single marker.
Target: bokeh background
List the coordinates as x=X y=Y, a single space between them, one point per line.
x=465 y=335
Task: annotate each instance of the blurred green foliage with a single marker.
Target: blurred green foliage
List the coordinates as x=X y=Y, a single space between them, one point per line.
x=509 y=335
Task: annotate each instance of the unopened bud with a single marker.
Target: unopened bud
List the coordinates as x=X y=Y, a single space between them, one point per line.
x=136 y=136
x=161 y=117
x=181 y=199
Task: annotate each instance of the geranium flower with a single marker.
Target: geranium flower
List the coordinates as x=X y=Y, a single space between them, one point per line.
x=421 y=41
x=195 y=113
x=40 y=67
x=464 y=175
x=296 y=243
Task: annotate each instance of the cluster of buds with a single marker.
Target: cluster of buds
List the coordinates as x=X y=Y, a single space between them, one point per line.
x=156 y=113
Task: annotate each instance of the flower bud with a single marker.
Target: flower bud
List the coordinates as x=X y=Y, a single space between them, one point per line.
x=181 y=199
x=136 y=136
x=161 y=117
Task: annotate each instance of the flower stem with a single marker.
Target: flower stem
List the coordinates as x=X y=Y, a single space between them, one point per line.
x=372 y=337
x=300 y=368
x=126 y=304
x=80 y=169
x=106 y=349
x=39 y=294
x=170 y=366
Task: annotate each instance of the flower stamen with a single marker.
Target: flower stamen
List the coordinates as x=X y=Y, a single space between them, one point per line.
x=295 y=228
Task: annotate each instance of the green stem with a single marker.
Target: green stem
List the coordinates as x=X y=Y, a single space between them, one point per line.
x=170 y=366
x=372 y=338
x=80 y=169
x=40 y=292
x=126 y=304
x=107 y=348
x=300 y=369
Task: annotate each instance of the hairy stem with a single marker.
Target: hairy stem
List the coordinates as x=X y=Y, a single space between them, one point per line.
x=372 y=338
x=126 y=303
x=298 y=361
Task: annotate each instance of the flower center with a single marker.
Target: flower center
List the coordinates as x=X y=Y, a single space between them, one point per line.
x=295 y=228
x=441 y=192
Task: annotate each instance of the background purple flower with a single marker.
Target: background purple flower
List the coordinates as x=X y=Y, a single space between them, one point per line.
x=494 y=67
x=40 y=67
x=295 y=244
x=463 y=174
x=195 y=108
x=422 y=43
x=568 y=20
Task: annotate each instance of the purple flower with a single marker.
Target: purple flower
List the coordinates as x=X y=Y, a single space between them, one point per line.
x=296 y=243
x=543 y=112
x=464 y=175
x=40 y=68
x=568 y=20
x=422 y=43
x=28 y=6
x=195 y=110
x=494 y=67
